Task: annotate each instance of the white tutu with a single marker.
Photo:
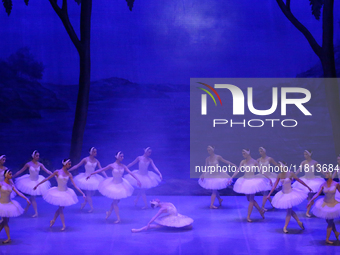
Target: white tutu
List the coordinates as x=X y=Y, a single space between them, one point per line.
x=337 y=196
x=11 y=209
x=55 y=196
x=174 y=221
x=26 y=185
x=214 y=181
x=251 y=185
x=148 y=180
x=288 y=200
x=113 y=190
x=314 y=184
x=326 y=210
x=90 y=184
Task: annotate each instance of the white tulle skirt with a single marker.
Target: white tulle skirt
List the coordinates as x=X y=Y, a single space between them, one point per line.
x=26 y=185
x=288 y=200
x=325 y=210
x=337 y=196
x=90 y=184
x=115 y=190
x=148 y=180
x=314 y=184
x=251 y=185
x=11 y=209
x=214 y=181
x=174 y=221
x=55 y=196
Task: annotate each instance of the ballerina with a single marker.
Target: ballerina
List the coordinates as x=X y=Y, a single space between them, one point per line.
x=214 y=180
x=172 y=219
x=62 y=195
x=8 y=207
x=147 y=178
x=327 y=208
x=2 y=167
x=249 y=184
x=116 y=187
x=264 y=162
x=309 y=166
x=90 y=186
x=288 y=196
x=27 y=182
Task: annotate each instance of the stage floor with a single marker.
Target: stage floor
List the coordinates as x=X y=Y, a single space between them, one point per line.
x=220 y=231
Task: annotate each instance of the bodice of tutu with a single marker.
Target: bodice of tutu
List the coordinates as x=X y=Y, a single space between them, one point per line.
x=286 y=185
x=309 y=171
x=213 y=162
x=89 y=167
x=34 y=173
x=62 y=182
x=329 y=194
x=249 y=171
x=264 y=165
x=143 y=167
x=171 y=209
x=117 y=174
x=5 y=193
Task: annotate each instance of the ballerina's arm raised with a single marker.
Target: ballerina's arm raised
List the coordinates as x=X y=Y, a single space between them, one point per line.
x=293 y=175
x=21 y=170
x=46 y=179
x=127 y=170
x=99 y=171
x=82 y=162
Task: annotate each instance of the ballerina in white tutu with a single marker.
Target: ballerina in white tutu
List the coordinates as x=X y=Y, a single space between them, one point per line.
x=264 y=163
x=147 y=178
x=171 y=219
x=27 y=182
x=116 y=187
x=310 y=166
x=62 y=195
x=288 y=196
x=214 y=180
x=90 y=186
x=250 y=183
x=2 y=167
x=8 y=207
x=327 y=207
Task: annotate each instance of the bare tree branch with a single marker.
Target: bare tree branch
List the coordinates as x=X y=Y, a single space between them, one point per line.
x=286 y=11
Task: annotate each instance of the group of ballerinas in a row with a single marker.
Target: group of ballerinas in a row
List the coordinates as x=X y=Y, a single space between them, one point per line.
x=309 y=186
x=115 y=187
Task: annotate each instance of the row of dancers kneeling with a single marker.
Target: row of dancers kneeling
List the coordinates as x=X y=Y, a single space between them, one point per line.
x=308 y=187
x=115 y=187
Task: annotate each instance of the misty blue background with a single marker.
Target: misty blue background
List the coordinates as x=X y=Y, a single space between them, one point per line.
x=142 y=62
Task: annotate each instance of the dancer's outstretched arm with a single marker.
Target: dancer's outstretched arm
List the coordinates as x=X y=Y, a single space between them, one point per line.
x=162 y=210
x=315 y=196
x=82 y=162
x=156 y=169
x=300 y=181
x=99 y=166
x=133 y=162
x=274 y=187
x=45 y=169
x=99 y=171
x=127 y=170
x=71 y=178
x=46 y=179
x=272 y=161
x=21 y=170
x=21 y=195
x=225 y=161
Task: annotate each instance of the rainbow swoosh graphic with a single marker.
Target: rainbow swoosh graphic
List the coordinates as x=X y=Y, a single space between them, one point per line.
x=209 y=93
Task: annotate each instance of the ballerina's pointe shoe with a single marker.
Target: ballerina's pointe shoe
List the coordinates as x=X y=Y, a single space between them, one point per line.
x=52 y=223
x=262 y=213
x=337 y=235
x=7 y=241
x=220 y=201
x=301 y=225
x=329 y=242
x=63 y=228
x=308 y=215
x=285 y=230
x=213 y=207
x=82 y=206
x=264 y=209
x=90 y=211
x=34 y=215
x=116 y=222
x=249 y=220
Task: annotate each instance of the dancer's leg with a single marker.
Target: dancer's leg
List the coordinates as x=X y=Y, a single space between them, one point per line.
x=213 y=196
x=89 y=194
x=144 y=199
x=135 y=230
x=288 y=216
x=297 y=219
x=55 y=217
x=329 y=230
x=310 y=196
x=138 y=196
x=250 y=198
x=6 y=227
x=116 y=208
x=220 y=200
x=335 y=232
x=34 y=205
x=62 y=217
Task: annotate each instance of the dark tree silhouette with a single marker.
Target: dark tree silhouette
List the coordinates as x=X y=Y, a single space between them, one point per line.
x=82 y=45
x=325 y=52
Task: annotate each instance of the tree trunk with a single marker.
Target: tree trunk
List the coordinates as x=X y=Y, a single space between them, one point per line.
x=84 y=81
x=328 y=65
